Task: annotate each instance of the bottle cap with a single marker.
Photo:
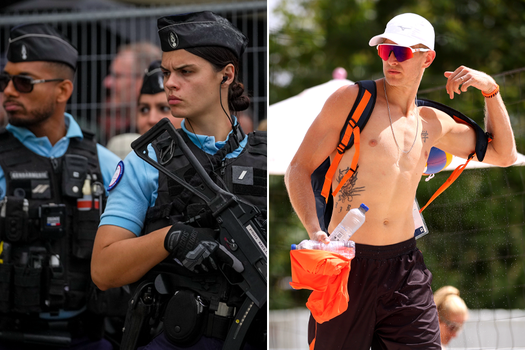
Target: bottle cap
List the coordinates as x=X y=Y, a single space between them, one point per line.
x=294 y=247
x=86 y=189
x=364 y=207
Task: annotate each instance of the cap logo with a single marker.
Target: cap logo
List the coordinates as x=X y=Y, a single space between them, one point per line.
x=24 y=52
x=403 y=28
x=161 y=83
x=173 y=40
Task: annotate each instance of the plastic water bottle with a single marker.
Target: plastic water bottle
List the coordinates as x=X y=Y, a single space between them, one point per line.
x=350 y=223
x=346 y=248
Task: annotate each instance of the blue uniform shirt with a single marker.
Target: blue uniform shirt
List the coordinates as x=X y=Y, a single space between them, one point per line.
x=42 y=147
x=137 y=190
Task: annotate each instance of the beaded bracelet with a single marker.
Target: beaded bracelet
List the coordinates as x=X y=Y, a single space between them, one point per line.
x=493 y=93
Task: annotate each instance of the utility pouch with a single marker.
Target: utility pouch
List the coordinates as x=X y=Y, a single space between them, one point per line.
x=217 y=326
x=55 y=280
x=74 y=171
x=52 y=221
x=6 y=275
x=84 y=231
x=184 y=318
x=14 y=219
x=26 y=296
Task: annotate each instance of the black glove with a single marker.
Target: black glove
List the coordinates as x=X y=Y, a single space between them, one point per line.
x=197 y=250
x=193 y=247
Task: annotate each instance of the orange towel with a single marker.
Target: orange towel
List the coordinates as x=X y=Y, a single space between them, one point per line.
x=325 y=273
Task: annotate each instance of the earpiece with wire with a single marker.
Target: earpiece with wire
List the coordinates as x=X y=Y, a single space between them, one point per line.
x=220 y=99
x=234 y=126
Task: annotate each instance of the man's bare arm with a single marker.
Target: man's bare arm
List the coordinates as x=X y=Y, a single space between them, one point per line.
x=320 y=141
x=502 y=150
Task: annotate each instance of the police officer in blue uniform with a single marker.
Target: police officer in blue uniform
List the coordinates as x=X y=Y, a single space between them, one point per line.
x=52 y=180
x=151 y=219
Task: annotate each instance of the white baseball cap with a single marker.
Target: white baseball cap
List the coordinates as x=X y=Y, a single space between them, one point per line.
x=407 y=29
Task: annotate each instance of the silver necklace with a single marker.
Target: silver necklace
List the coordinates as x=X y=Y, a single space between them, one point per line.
x=392 y=128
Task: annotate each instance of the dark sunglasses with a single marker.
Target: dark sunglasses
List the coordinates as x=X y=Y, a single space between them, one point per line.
x=22 y=83
x=402 y=53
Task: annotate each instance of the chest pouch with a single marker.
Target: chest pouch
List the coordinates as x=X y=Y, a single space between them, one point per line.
x=86 y=218
x=74 y=171
x=184 y=318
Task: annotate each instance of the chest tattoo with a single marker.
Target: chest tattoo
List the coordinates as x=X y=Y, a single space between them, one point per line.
x=348 y=190
x=424 y=135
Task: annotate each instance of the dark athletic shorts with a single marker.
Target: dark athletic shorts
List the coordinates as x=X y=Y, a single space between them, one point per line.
x=391 y=303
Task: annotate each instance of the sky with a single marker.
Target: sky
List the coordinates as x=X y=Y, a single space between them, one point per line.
x=274 y=22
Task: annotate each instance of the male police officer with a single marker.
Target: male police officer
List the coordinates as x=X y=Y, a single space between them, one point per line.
x=52 y=180
x=150 y=218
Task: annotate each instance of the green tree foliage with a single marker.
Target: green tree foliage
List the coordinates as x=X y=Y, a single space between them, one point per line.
x=477 y=242
x=477 y=239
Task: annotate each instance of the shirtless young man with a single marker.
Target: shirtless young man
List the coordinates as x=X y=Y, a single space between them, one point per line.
x=391 y=305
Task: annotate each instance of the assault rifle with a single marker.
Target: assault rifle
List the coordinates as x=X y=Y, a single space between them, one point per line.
x=242 y=230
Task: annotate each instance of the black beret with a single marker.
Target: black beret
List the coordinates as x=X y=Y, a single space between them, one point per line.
x=199 y=29
x=40 y=42
x=153 y=81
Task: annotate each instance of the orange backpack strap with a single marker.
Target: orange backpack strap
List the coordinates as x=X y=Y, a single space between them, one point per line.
x=350 y=135
x=455 y=174
x=355 y=158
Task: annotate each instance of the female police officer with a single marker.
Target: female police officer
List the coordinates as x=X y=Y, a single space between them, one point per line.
x=200 y=59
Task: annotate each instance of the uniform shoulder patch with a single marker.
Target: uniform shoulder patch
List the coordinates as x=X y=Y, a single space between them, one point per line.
x=117 y=175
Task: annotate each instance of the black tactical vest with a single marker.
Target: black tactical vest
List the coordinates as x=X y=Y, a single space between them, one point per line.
x=244 y=176
x=48 y=221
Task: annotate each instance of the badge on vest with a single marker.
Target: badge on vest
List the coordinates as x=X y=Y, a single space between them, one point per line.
x=30 y=184
x=52 y=220
x=242 y=175
x=28 y=175
x=117 y=176
x=40 y=189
